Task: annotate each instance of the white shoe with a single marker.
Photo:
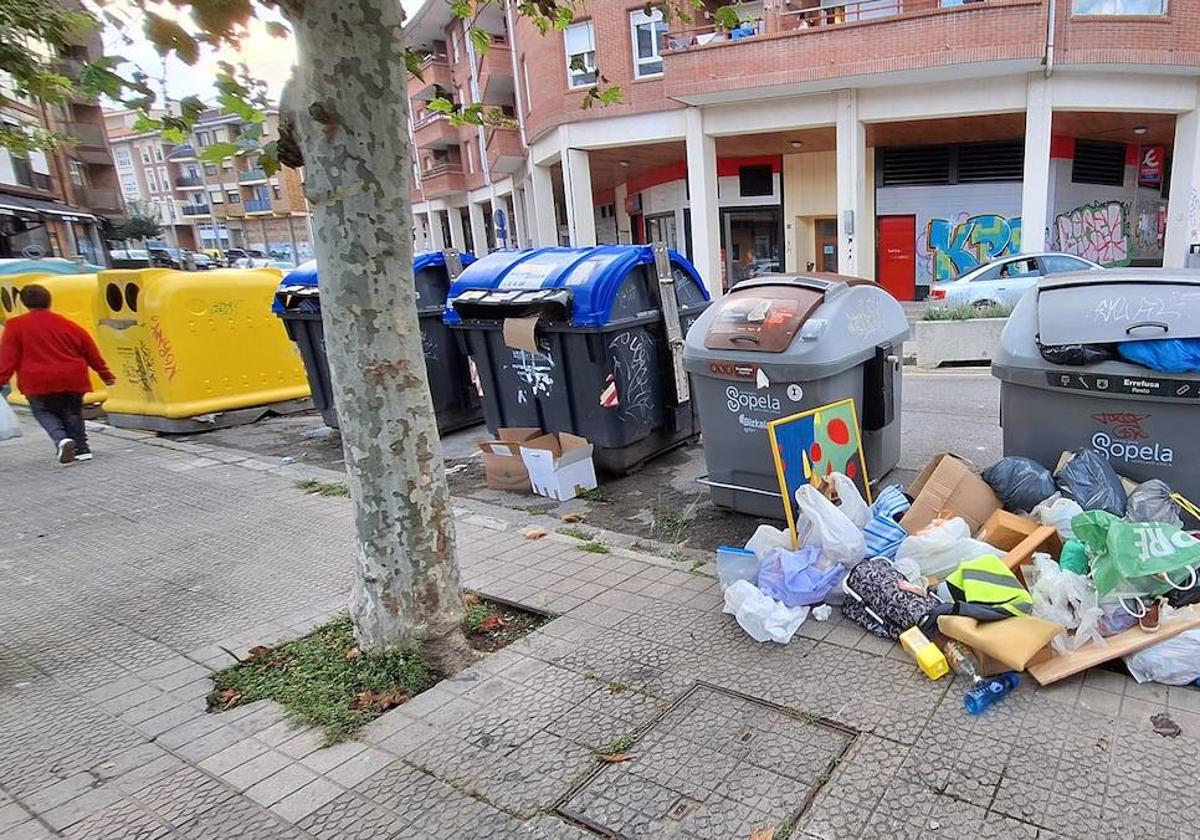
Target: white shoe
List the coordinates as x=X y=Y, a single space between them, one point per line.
x=66 y=451
x=84 y=456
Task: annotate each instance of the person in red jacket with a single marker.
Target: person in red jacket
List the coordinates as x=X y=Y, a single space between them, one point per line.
x=50 y=356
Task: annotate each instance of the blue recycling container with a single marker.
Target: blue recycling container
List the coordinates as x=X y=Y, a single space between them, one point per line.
x=455 y=399
x=577 y=340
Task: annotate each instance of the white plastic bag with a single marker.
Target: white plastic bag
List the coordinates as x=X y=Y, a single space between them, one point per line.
x=762 y=617
x=10 y=427
x=1058 y=512
x=766 y=539
x=940 y=548
x=1067 y=599
x=820 y=523
x=1173 y=662
x=852 y=503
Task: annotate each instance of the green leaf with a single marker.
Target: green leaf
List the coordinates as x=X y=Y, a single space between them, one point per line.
x=413 y=59
x=237 y=105
x=268 y=157
x=727 y=17
x=460 y=9
x=480 y=39
x=97 y=79
x=168 y=36
x=145 y=122
x=175 y=136
x=218 y=152
x=191 y=108
x=440 y=105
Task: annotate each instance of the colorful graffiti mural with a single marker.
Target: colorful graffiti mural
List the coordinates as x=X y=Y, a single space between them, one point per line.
x=954 y=246
x=1097 y=231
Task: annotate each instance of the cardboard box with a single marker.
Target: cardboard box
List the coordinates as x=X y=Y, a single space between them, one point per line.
x=560 y=466
x=948 y=487
x=1019 y=538
x=503 y=467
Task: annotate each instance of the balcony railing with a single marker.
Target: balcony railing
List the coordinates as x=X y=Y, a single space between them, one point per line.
x=85 y=134
x=184 y=151
x=194 y=210
x=442 y=178
x=258 y=205
x=101 y=199
x=255 y=174
x=185 y=181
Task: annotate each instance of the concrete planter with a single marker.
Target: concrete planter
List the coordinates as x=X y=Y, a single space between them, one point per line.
x=973 y=340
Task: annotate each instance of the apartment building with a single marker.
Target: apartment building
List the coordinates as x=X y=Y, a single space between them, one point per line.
x=51 y=202
x=904 y=141
x=202 y=205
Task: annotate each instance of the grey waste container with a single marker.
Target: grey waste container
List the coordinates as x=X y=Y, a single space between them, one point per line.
x=782 y=344
x=1143 y=421
x=455 y=401
x=602 y=350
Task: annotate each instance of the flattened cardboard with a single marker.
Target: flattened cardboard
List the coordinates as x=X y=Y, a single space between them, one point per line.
x=559 y=466
x=1019 y=538
x=947 y=485
x=521 y=333
x=503 y=467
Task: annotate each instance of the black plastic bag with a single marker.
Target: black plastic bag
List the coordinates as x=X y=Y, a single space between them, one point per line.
x=1090 y=480
x=1020 y=483
x=1151 y=501
x=1077 y=355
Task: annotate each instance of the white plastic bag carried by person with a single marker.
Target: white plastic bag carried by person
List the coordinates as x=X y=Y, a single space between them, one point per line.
x=762 y=617
x=1057 y=512
x=820 y=523
x=1175 y=661
x=10 y=427
x=852 y=503
x=940 y=547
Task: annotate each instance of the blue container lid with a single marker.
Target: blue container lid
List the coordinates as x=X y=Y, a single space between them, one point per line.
x=594 y=276
x=305 y=276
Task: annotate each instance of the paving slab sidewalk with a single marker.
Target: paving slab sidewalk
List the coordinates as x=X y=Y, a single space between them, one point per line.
x=128 y=579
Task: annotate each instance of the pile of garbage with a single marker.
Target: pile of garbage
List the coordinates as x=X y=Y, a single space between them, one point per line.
x=1019 y=569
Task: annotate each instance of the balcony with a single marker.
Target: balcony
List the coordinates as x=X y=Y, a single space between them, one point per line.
x=228 y=210
x=443 y=179
x=435 y=74
x=258 y=205
x=86 y=134
x=252 y=176
x=496 y=75
x=184 y=182
x=817 y=40
x=194 y=210
x=504 y=151
x=183 y=151
x=433 y=131
x=100 y=199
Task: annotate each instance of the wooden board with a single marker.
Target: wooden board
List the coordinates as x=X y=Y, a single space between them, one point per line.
x=1090 y=655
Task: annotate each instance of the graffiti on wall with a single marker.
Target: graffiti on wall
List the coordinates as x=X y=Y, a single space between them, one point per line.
x=1149 y=228
x=1098 y=231
x=953 y=246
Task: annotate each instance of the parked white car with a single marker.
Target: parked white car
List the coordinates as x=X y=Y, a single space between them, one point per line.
x=1003 y=281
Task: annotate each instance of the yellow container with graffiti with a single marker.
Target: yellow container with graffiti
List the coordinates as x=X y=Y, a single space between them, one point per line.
x=72 y=296
x=195 y=350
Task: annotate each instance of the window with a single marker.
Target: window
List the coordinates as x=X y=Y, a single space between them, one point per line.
x=145 y=150
x=966 y=163
x=129 y=184
x=158 y=153
x=470 y=159
x=525 y=78
x=210 y=169
x=1119 y=7
x=580 y=40
x=203 y=138
x=454 y=45
x=1060 y=264
x=124 y=158
x=278 y=193
x=151 y=181
x=235 y=197
x=1020 y=268
x=78 y=172
x=216 y=196
x=164 y=178
x=756 y=180
x=1098 y=162
x=647 y=31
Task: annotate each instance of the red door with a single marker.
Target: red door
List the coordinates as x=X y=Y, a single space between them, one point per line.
x=897 y=248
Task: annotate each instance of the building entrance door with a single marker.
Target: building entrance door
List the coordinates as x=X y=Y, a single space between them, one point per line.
x=897 y=262
x=825 y=231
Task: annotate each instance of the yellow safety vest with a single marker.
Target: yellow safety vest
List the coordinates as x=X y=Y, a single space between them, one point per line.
x=988 y=582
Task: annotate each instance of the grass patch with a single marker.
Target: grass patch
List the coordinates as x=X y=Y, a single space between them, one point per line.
x=322 y=679
x=670 y=523
x=964 y=313
x=475 y=617
x=595 y=547
x=576 y=532
x=621 y=745
x=331 y=489
x=596 y=494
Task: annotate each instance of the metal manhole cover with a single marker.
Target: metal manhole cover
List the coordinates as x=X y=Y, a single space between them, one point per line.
x=715 y=765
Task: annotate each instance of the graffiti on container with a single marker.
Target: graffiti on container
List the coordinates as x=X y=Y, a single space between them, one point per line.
x=1143 y=308
x=864 y=320
x=536 y=370
x=954 y=246
x=222 y=307
x=163 y=345
x=631 y=367
x=137 y=366
x=429 y=347
x=1097 y=231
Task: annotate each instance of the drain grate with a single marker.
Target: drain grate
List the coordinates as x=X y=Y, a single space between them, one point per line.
x=715 y=765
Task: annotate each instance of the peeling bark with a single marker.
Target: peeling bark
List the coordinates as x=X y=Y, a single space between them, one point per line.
x=346 y=105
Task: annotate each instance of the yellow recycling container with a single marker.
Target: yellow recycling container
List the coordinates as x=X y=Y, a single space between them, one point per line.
x=195 y=350
x=71 y=296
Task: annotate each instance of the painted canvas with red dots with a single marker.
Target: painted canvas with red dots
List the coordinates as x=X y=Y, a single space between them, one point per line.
x=816 y=443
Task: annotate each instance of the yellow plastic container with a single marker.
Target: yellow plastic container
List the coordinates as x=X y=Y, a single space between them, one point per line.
x=72 y=296
x=192 y=344
x=929 y=658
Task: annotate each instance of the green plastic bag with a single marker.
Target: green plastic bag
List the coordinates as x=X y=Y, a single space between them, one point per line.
x=1135 y=558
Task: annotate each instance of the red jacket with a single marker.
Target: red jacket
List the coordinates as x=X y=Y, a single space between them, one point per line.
x=50 y=354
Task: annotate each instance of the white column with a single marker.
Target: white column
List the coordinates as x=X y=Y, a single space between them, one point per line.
x=478 y=228
x=457 y=239
x=702 y=199
x=1183 y=212
x=624 y=224
x=433 y=224
x=1035 y=183
x=577 y=186
x=516 y=224
x=851 y=187
x=544 y=227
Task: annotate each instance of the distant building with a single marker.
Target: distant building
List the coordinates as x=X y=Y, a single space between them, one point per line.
x=50 y=202
x=145 y=176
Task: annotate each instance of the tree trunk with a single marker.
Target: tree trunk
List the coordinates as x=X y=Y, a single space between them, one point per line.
x=348 y=101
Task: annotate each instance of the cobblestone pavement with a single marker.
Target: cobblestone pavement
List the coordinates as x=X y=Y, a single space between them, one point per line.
x=122 y=580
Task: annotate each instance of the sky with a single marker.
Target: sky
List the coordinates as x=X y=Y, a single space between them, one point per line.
x=269 y=58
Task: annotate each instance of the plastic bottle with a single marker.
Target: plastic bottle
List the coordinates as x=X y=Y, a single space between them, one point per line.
x=989 y=691
x=928 y=658
x=961 y=660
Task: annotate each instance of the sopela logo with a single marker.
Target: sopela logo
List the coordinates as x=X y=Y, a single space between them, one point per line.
x=738 y=400
x=1120 y=445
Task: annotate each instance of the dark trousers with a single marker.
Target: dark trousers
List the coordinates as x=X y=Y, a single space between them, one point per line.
x=61 y=415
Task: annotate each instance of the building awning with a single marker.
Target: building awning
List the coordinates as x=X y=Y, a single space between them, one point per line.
x=23 y=206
